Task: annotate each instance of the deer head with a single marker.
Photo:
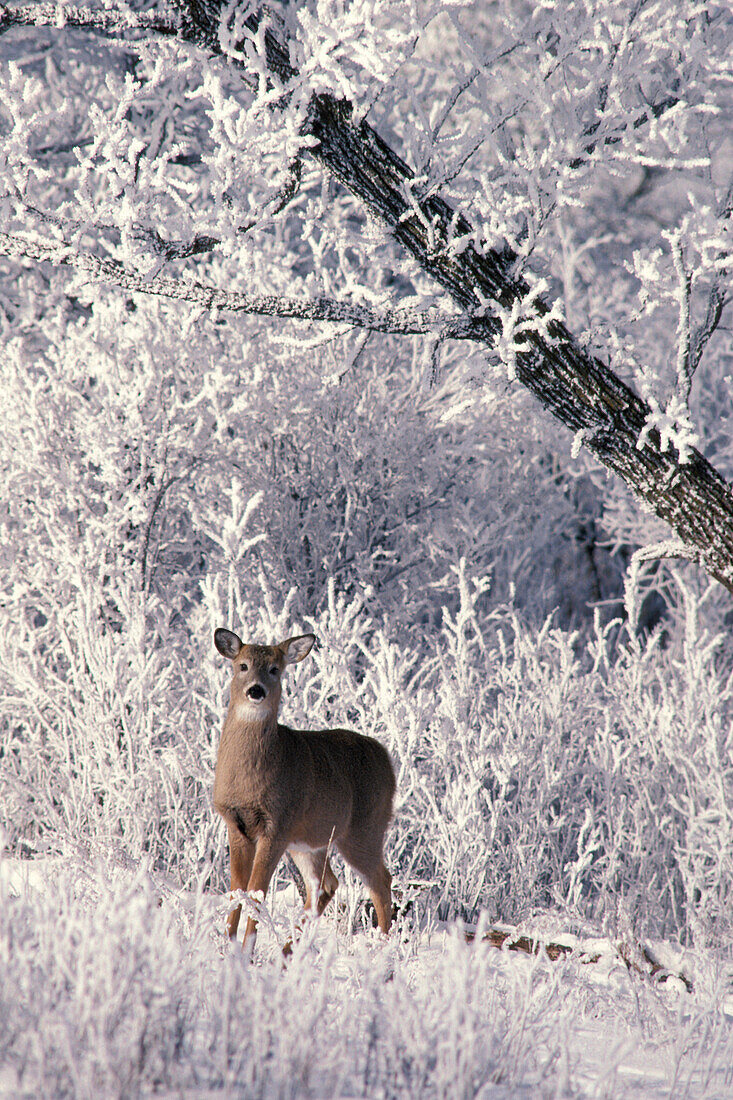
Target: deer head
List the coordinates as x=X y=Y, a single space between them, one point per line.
x=257 y=670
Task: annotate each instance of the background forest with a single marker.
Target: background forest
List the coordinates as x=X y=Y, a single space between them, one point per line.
x=177 y=456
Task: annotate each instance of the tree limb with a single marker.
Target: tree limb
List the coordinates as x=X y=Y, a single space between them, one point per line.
x=330 y=310
x=112 y=21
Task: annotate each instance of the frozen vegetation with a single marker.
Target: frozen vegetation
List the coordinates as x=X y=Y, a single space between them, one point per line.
x=115 y=985
x=551 y=673
x=563 y=784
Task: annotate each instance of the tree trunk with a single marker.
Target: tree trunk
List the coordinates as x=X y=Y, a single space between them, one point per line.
x=583 y=393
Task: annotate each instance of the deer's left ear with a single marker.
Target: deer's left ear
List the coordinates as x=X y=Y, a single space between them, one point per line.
x=295 y=649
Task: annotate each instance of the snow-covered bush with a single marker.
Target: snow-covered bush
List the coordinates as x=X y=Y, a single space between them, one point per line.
x=536 y=767
x=115 y=986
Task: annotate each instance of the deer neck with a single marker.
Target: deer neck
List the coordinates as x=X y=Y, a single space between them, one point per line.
x=253 y=734
x=250 y=753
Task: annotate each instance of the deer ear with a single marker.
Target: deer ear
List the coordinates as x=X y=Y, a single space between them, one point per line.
x=227 y=642
x=295 y=649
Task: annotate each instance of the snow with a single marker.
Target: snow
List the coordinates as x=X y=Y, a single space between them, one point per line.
x=350 y=1015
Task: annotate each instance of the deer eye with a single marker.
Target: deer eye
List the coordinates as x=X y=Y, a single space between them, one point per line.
x=244 y=667
x=274 y=671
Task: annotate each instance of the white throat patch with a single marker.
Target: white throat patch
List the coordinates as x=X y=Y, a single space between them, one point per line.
x=248 y=710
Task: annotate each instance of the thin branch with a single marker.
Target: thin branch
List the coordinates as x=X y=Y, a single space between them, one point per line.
x=684 y=276
x=396 y=322
x=671 y=548
x=613 y=138
x=158 y=500
x=105 y=20
x=717 y=298
x=716 y=303
x=181 y=250
x=338 y=376
x=504 y=50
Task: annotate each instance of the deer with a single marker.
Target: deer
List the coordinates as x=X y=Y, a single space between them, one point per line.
x=298 y=791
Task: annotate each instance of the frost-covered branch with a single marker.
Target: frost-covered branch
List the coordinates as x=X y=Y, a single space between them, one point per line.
x=691 y=345
x=616 y=135
x=329 y=310
x=684 y=336
x=114 y=21
x=181 y=250
x=718 y=296
x=670 y=548
x=717 y=299
x=595 y=132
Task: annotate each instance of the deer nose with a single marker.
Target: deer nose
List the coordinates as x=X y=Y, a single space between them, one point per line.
x=256 y=691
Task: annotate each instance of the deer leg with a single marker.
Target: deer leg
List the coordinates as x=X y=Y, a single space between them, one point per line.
x=266 y=857
x=320 y=881
x=329 y=886
x=366 y=859
x=320 y=885
x=380 y=891
x=241 y=854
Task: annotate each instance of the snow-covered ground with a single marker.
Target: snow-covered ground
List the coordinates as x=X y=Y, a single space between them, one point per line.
x=115 y=984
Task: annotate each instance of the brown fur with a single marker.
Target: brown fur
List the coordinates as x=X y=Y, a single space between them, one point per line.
x=301 y=791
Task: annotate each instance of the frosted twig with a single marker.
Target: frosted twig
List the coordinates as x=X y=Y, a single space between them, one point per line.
x=684 y=371
x=614 y=137
x=107 y=20
x=181 y=250
x=507 y=47
x=671 y=548
x=395 y=322
x=717 y=299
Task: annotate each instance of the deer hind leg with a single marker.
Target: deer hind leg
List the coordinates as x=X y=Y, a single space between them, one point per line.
x=366 y=858
x=320 y=881
x=241 y=855
x=380 y=891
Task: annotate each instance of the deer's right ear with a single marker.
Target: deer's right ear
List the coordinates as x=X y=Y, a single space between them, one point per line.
x=227 y=642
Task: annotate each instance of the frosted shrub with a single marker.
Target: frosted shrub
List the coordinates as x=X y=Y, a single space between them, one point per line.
x=102 y=765
x=113 y=988
x=535 y=768
x=542 y=778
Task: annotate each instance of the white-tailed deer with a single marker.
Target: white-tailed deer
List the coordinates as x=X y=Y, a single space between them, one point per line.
x=299 y=791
